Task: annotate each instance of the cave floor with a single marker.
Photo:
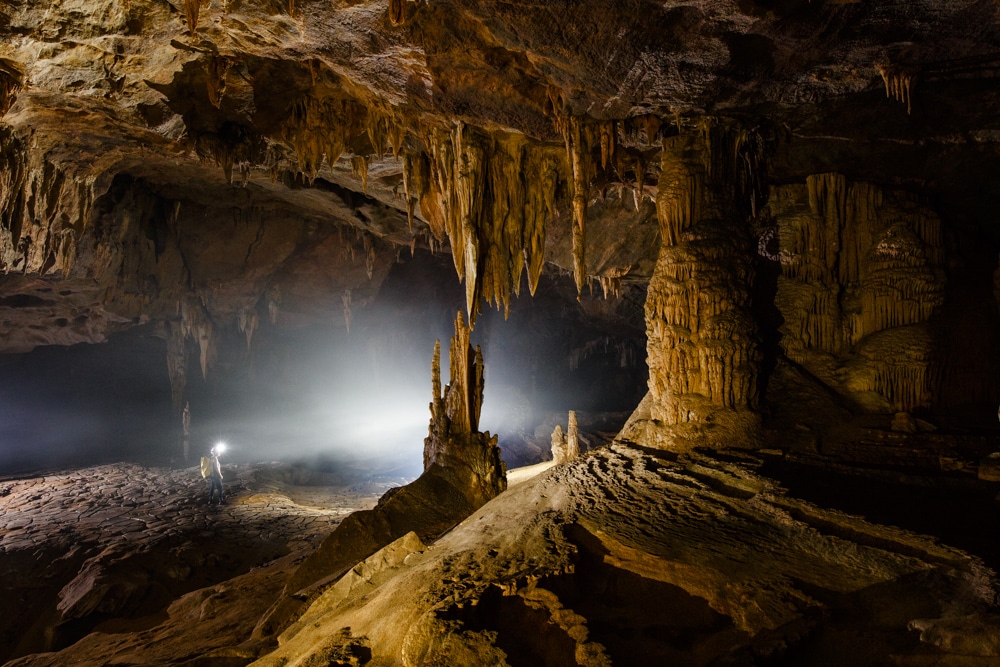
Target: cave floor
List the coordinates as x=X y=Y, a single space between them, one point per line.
x=625 y=556
x=116 y=548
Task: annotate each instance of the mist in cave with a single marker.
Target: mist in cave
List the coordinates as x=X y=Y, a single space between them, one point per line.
x=318 y=395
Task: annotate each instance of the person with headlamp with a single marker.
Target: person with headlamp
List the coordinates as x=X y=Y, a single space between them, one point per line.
x=215 y=474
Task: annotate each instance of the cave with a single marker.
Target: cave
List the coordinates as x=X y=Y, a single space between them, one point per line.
x=576 y=333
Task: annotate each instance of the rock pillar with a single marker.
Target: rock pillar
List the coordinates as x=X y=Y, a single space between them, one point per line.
x=702 y=347
x=566 y=447
x=454 y=444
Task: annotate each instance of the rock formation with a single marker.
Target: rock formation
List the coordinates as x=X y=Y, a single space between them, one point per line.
x=789 y=205
x=703 y=357
x=565 y=448
x=462 y=471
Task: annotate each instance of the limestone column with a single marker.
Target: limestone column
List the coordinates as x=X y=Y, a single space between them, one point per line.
x=702 y=345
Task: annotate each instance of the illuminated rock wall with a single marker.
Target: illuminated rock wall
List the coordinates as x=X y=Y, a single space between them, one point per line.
x=861 y=280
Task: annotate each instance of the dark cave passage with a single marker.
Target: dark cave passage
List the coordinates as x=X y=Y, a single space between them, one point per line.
x=962 y=513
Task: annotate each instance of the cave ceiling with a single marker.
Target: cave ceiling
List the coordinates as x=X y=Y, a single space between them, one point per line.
x=213 y=165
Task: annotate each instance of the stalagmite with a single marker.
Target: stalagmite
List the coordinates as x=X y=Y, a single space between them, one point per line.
x=436 y=373
x=572 y=437
x=454 y=441
x=458 y=398
x=566 y=447
x=558 y=445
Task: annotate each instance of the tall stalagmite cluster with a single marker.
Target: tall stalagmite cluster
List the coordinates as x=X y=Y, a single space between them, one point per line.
x=702 y=349
x=454 y=446
x=861 y=280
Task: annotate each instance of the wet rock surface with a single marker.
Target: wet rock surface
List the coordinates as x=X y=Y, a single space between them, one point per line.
x=113 y=546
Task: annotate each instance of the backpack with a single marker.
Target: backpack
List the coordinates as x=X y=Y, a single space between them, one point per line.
x=206 y=466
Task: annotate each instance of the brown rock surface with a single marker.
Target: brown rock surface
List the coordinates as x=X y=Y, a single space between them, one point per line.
x=114 y=548
x=576 y=565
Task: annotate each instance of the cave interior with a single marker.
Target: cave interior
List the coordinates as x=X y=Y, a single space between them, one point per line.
x=703 y=299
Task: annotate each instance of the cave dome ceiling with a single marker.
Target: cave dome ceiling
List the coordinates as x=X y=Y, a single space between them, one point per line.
x=247 y=156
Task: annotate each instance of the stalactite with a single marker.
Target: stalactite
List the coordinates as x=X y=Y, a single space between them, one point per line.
x=898 y=84
x=66 y=254
x=491 y=195
x=345 y=299
x=680 y=192
x=43 y=211
x=218 y=67
x=273 y=298
x=191 y=9
x=863 y=264
x=359 y=167
x=579 y=158
x=11 y=82
x=248 y=323
x=607 y=133
x=470 y=175
x=197 y=324
x=542 y=180
x=397 y=12
x=322 y=127
x=369 y=255
x=415 y=182
x=611 y=280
